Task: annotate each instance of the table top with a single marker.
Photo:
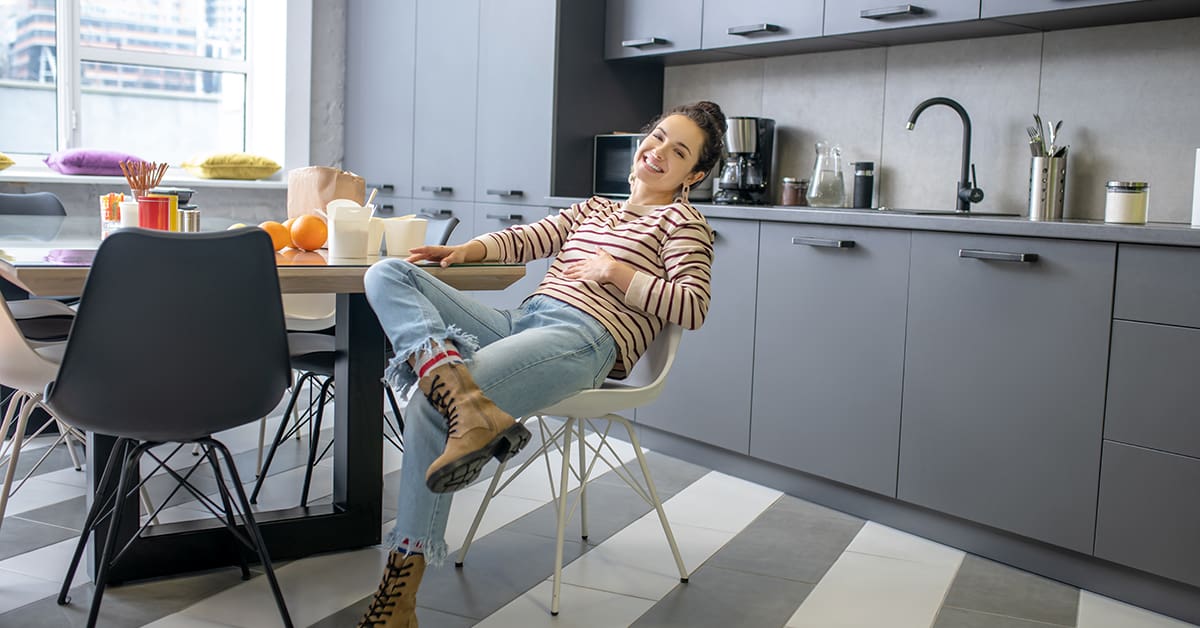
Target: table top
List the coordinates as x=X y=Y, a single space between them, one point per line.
x=51 y=255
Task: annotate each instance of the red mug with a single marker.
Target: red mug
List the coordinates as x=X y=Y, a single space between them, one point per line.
x=154 y=212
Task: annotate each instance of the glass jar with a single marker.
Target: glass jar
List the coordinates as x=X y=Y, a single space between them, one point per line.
x=1126 y=202
x=827 y=187
x=791 y=192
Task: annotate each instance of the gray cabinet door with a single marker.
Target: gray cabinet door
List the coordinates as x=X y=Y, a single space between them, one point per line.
x=999 y=8
x=380 y=65
x=707 y=395
x=1004 y=377
x=640 y=28
x=741 y=22
x=495 y=217
x=1149 y=513
x=1157 y=284
x=445 y=86
x=860 y=16
x=516 y=100
x=829 y=351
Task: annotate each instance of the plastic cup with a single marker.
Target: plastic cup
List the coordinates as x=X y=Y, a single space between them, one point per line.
x=129 y=213
x=154 y=212
x=403 y=234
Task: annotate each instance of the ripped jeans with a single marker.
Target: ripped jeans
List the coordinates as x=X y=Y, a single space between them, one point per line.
x=523 y=360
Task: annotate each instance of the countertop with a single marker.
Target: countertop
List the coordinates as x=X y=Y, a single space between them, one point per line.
x=1163 y=233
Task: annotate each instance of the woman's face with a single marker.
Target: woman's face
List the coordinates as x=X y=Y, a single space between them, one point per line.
x=668 y=155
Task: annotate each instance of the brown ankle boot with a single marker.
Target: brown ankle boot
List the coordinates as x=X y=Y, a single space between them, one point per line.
x=478 y=428
x=395 y=603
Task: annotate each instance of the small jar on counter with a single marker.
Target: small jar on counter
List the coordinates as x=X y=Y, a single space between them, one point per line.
x=794 y=192
x=1126 y=202
x=189 y=219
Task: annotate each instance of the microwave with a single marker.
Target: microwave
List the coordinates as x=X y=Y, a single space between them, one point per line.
x=612 y=161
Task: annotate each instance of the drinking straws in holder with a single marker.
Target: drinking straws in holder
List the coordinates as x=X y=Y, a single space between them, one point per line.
x=143 y=175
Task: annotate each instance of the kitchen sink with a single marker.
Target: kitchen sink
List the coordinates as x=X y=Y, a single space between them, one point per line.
x=948 y=212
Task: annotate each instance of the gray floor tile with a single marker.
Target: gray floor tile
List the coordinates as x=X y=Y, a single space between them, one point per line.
x=670 y=475
x=990 y=587
x=792 y=539
x=58 y=459
x=66 y=514
x=959 y=618
x=719 y=598
x=501 y=566
x=21 y=535
x=611 y=508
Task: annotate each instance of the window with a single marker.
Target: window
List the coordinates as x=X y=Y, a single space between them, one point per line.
x=161 y=79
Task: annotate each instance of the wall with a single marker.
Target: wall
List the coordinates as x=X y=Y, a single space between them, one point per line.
x=1127 y=95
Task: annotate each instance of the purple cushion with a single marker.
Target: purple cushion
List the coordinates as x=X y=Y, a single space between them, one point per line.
x=88 y=161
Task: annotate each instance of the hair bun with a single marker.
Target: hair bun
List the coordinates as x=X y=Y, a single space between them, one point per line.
x=714 y=110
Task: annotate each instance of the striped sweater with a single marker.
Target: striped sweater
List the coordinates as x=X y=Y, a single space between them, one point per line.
x=671 y=248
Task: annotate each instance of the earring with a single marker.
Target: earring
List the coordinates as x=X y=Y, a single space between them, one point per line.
x=632 y=178
x=683 y=192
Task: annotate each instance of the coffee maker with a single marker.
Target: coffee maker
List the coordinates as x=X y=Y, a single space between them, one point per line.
x=746 y=170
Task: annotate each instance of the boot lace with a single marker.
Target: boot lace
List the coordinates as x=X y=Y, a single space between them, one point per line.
x=384 y=603
x=443 y=401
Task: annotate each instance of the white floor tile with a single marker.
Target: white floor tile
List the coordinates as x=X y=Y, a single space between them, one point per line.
x=17 y=590
x=720 y=502
x=68 y=476
x=579 y=607
x=880 y=540
x=1097 y=611
x=48 y=563
x=37 y=493
x=502 y=510
x=865 y=590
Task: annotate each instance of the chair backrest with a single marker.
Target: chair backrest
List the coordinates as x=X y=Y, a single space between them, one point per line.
x=438 y=230
x=309 y=312
x=20 y=366
x=32 y=204
x=178 y=335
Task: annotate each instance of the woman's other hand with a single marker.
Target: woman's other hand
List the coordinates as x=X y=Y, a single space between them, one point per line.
x=601 y=268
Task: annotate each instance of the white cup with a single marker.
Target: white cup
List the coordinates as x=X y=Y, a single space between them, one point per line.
x=403 y=234
x=347 y=238
x=129 y=213
x=374 y=235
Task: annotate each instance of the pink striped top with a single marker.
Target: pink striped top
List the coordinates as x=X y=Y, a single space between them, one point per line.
x=671 y=248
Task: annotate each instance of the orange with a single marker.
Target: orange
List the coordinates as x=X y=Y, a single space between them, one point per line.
x=309 y=232
x=280 y=237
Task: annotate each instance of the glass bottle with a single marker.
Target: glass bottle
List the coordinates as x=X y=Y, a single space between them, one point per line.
x=827 y=187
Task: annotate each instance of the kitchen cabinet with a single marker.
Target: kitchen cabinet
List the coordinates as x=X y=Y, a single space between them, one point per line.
x=1056 y=14
x=859 y=16
x=707 y=395
x=444 y=87
x=1149 y=514
x=516 y=100
x=495 y=217
x=1156 y=284
x=441 y=210
x=1004 y=381
x=640 y=28
x=738 y=23
x=380 y=66
x=829 y=351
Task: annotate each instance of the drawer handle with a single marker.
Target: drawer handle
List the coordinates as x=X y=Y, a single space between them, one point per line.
x=387 y=209
x=386 y=188
x=751 y=29
x=435 y=213
x=998 y=256
x=824 y=242
x=437 y=189
x=639 y=43
x=886 y=12
x=506 y=192
x=504 y=216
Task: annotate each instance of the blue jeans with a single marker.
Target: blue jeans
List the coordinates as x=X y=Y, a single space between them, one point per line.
x=523 y=360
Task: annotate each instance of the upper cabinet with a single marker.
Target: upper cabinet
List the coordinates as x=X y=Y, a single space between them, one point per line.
x=729 y=23
x=637 y=28
x=1055 y=14
x=859 y=16
x=516 y=101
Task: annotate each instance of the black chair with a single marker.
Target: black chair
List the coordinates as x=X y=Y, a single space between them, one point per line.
x=173 y=314
x=40 y=320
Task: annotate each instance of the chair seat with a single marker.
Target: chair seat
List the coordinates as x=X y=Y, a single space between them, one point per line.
x=312 y=352
x=39 y=308
x=611 y=397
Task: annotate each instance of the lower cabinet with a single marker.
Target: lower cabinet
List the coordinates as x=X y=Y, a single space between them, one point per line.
x=1149 y=513
x=1004 y=381
x=829 y=351
x=495 y=217
x=707 y=395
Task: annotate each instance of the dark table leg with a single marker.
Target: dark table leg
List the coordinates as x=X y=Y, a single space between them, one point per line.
x=353 y=520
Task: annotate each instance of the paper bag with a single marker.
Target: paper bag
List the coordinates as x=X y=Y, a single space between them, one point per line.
x=310 y=188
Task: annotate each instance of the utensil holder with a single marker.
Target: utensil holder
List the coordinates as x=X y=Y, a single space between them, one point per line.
x=1047 y=187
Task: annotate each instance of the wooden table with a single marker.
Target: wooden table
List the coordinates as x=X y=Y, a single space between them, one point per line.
x=354 y=518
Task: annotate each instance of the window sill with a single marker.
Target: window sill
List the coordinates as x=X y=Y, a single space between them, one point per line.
x=175 y=177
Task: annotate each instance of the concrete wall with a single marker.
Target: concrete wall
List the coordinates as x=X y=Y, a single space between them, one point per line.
x=1127 y=96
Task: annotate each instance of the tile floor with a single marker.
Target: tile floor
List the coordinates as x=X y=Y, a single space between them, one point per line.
x=757 y=558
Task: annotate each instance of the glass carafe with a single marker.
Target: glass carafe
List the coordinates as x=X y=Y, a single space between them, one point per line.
x=827 y=188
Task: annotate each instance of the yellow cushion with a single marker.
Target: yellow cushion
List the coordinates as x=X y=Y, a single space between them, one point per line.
x=230 y=166
x=5 y=161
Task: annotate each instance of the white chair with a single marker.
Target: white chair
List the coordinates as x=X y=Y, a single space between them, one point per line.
x=582 y=412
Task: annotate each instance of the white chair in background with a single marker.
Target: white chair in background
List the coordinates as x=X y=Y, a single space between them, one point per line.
x=583 y=412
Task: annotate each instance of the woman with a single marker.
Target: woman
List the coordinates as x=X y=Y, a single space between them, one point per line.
x=621 y=271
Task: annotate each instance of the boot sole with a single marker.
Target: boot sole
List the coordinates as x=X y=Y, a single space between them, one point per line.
x=460 y=472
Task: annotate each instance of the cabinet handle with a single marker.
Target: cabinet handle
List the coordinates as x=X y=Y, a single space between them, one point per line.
x=437 y=189
x=434 y=213
x=638 y=43
x=506 y=192
x=387 y=188
x=504 y=216
x=750 y=29
x=824 y=242
x=998 y=256
x=387 y=209
x=886 y=12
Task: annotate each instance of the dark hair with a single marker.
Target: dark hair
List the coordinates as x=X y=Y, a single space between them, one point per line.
x=708 y=116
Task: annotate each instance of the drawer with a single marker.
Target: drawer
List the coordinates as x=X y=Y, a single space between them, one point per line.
x=862 y=16
x=1148 y=512
x=1157 y=284
x=1153 y=399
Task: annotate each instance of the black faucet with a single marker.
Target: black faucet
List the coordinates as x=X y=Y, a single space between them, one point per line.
x=967 y=191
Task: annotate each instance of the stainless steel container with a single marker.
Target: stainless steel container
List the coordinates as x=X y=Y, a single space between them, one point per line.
x=189 y=219
x=1047 y=187
x=741 y=135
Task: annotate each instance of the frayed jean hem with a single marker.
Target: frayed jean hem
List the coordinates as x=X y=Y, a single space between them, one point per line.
x=399 y=373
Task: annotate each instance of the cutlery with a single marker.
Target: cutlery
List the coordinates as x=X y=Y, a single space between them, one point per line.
x=1053 y=131
x=1035 y=141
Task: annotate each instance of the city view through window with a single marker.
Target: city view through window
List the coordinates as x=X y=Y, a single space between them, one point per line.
x=160 y=79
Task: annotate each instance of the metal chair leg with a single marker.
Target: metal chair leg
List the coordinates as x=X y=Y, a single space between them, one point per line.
x=225 y=503
x=279 y=436
x=658 y=506
x=313 y=437
x=119 y=453
x=583 y=532
x=129 y=468
x=562 y=516
x=15 y=445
